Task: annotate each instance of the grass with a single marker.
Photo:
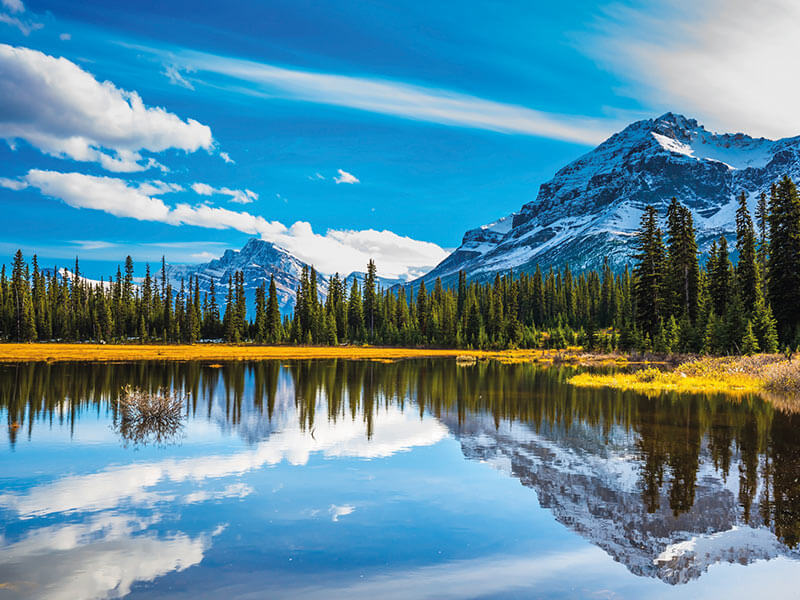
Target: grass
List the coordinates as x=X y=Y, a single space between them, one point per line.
x=224 y=352
x=771 y=373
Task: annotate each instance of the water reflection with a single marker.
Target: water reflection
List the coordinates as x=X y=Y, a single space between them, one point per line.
x=667 y=486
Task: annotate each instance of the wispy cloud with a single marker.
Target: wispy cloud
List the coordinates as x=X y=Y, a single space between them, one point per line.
x=387 y=97
x=176 y=77
x=227 y=158
x=239 y=196
x=345 y=177
x=336 y=250
x=14 y=6
x=729 y=63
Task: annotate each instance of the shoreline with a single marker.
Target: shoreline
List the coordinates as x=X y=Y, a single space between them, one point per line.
x=64 y=352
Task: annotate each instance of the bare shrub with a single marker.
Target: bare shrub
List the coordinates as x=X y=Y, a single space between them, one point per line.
x=144 y=417
x=783 y=377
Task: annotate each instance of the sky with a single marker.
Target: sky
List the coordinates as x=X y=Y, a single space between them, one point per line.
x=344 y=131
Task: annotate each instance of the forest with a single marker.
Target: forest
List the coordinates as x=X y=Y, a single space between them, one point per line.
x=670 y=300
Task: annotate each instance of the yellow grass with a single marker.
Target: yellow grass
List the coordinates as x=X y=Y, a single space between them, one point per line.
x=225 y=352
x=731 y=375
x=670 y=381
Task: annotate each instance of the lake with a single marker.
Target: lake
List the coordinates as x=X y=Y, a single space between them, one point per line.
x=411 y=479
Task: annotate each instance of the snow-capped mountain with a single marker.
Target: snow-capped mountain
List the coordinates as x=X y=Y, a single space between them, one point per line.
x=592 y=206
x=257 y=260
x=589 y=478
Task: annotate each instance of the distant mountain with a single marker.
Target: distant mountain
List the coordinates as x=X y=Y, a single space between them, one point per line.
x=257 y=260
x=590 y=209
x=382 y=282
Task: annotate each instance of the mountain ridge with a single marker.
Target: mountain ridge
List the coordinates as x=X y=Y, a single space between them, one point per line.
x=591 y=207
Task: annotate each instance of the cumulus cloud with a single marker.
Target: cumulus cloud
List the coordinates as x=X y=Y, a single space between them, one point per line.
x=239 y=196
x=345 y=177
x=728 y=63
x=337 y=250
x=387 y=97
x=64 y=111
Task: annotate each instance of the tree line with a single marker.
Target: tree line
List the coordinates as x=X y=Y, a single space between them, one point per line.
x=668 y=301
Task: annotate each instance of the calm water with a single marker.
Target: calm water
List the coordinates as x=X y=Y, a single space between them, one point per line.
x=415 y=479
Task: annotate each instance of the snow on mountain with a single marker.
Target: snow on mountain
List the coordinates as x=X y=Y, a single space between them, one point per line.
x=590 y=478
x=257 y=260
x=591 y=208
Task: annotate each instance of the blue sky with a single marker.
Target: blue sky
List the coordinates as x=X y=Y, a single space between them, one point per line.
x=341 y=130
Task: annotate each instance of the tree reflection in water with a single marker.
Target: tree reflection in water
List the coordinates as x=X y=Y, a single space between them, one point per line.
x=672 y=433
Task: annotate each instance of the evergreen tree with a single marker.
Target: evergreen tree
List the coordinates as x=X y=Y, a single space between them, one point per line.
x=784 y=257
x=649 y=273
x=746 y=267
x=273 y=314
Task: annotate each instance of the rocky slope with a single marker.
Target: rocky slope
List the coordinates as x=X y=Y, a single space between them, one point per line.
x=592 y=206
x=258 y=260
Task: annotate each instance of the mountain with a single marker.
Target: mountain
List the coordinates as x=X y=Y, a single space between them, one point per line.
x=257 y=260
x=584 y=474
x=590 y=209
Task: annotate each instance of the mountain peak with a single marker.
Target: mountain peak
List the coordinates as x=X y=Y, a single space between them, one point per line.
x=591 y=208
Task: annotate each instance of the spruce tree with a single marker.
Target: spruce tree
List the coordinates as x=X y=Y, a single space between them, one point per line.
x=746 y=267
x=784 y=257
x=273 y=314
x=649 y=273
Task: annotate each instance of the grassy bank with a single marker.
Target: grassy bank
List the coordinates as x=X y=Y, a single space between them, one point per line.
x=223 y=352
x=770 y=373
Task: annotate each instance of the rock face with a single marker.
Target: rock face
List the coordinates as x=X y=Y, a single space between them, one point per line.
x=584 y=475
x=592 y=206
x=257 y=261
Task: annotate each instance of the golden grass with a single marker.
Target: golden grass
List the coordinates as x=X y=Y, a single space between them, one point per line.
x=730 y=375
x=224 y=352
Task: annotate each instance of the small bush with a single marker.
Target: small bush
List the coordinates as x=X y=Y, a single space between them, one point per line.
x=144 y=417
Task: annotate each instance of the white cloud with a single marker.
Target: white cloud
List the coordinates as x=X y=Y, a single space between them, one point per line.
x=387 y=97
x=25 y=26
x=14 y=6
x=239 y=196
x=64 y=111
x=227 y=158
x=12 y=184
x=159 y=187
x=65 y=37
x=340 y=511
x=337 y=250
x=729 y=63
x=175 y=76
x=345 y=177
x=93 y=244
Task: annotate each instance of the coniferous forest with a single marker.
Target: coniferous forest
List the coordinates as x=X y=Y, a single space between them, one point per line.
x=668 y=301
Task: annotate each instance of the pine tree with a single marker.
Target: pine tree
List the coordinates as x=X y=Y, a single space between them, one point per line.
x=749 y=341
x=747 y=266
x=720 y=276
x=273 y=314
x=683 y=270
x=784 y=257
x=649 y=273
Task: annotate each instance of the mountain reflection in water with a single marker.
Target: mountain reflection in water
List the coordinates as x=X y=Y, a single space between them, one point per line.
x=667 y=486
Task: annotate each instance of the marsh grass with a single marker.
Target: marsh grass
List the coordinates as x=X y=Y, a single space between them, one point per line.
x=738 y=375
x=143 y=417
